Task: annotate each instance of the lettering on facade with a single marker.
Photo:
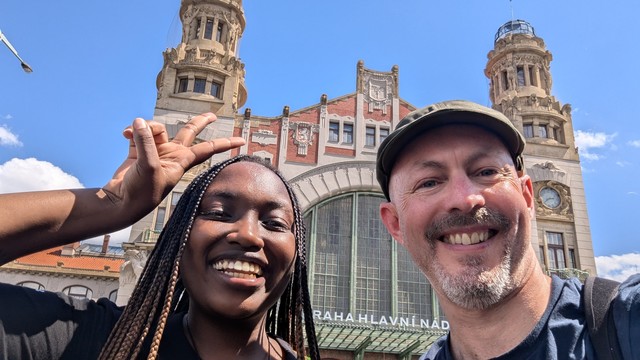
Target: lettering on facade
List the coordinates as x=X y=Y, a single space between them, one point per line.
x=382 y=320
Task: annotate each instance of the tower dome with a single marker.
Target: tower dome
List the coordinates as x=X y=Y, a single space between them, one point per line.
x=514 y=27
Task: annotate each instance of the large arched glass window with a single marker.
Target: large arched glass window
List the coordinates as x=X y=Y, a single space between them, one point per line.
x=355 y=265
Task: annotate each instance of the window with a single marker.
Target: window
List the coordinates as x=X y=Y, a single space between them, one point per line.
x=532 y=76
x=159 y=219
x=347 y=133
x=527 y=129
x=355 y=261
x=183 y=84
x=78 y=291
x=520 y=73
x=175 y=197
x=572 y=259
x=198 y=25
x=208 y=30
x=384 y=132
x=557 y=135
x=215 y=89
x=219 y=31
x=332 y=267
x=370 y=136
x=542 y=131
x=199 y=85
x=334 y=130
x=505 y=80
x=32 y=285
x=113 y=296
x=556 y=250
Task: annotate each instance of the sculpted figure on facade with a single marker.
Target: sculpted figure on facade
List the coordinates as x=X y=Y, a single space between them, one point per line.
x=132 y=267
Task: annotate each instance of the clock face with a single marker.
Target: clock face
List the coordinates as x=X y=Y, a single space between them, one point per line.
x=550 y=197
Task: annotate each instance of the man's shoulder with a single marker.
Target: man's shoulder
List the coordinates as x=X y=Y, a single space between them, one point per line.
x=626 y=311
x=438 y=350
x=630 y=289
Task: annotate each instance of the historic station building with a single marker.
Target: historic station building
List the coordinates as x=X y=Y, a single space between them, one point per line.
x=370 y=300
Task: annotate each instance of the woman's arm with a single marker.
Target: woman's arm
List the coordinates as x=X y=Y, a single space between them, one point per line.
x=33 y=221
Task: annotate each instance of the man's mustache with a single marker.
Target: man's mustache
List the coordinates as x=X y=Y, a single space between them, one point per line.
x=481 y=216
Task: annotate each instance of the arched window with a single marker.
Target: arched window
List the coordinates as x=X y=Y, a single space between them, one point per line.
x=78 y=291
x=355 y=265
x=113 y=296
x=32 y=285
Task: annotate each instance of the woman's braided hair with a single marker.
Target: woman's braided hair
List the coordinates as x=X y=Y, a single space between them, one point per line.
x=160 y=292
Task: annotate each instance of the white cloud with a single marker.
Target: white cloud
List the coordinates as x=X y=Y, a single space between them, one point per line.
x=588 y=141
x=618 y=267
x=17 y=175
x=622 y=163
x=7 y=138
x=634 y=143
x=633 y=193
x=7 y=117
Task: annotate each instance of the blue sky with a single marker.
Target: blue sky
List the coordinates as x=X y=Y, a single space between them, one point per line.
x=95 y=66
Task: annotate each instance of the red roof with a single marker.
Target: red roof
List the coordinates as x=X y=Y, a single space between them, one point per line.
x=52 y=258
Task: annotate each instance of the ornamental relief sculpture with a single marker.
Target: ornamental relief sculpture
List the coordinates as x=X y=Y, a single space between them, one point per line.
x=303 y=135
x=378 y=93
x=553 y=200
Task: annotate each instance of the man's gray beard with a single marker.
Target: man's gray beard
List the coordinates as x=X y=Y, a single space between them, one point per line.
x=476 y=288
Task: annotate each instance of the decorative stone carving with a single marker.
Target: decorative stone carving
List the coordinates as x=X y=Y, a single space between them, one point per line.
x=131 y=269
x=378 y=88
x=303 y=135
x=564 y=211
x=547 y=171
x=549 y=165
x=246 y=127
x=378 y=94
x=264 y=137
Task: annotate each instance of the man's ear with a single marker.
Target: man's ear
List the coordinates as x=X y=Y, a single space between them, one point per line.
x=527 y=191
x=390 y=219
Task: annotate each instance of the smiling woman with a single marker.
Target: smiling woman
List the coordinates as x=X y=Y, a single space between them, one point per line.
x=231 y=263
x=226 y=279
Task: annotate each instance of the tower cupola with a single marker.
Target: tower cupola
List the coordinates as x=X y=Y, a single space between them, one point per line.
x=519 y=63
x=204 y=72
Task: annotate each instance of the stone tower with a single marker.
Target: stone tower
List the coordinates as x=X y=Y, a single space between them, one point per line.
x=202 y=74
x=519 y=72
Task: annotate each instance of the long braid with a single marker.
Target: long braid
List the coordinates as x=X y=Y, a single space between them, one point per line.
x=296 y=300
x=160 y=280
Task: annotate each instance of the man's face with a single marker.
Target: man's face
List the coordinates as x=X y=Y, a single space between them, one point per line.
x=463 y=213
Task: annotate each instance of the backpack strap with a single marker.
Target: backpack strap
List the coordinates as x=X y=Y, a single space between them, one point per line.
x=598 y=294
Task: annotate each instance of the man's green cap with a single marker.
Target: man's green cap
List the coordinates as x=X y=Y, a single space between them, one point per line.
x=454 y=112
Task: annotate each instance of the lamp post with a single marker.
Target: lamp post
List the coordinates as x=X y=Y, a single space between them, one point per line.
x=24 y=65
